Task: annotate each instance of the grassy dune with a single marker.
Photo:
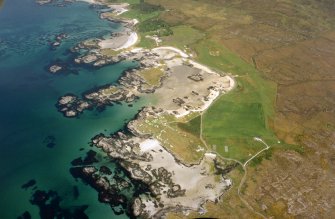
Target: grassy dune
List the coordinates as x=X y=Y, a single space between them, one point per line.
x=152 y=76
x=183 y=35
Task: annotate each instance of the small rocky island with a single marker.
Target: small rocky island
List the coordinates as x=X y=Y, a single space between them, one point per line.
x=55 y=68
x=71 y=106
x=57 y=40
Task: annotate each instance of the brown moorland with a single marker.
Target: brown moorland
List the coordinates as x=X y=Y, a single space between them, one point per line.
x=291 y=43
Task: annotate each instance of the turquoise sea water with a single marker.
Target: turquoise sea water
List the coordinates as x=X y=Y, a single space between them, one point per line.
x=28 y=94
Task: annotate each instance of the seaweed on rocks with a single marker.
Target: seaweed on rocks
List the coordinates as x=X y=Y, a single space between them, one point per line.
x=29 y=184
x=88 y=160
x=113 y=187
x=75 y=192
x=105 y=170
x=108 y=193
x=50 y=141
x=49 y=206
x=25 y=215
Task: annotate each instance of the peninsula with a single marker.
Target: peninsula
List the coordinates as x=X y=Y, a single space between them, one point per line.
x=182 y=174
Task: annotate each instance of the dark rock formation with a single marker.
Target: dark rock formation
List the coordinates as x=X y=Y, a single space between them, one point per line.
x=49 y=205
x=29 y=184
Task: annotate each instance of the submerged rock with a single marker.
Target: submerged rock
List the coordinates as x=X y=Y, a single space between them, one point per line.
x=50 y=207
x=29 y=184
x=25 y=215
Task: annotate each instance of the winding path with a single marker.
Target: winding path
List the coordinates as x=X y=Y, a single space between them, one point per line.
x=243 y=165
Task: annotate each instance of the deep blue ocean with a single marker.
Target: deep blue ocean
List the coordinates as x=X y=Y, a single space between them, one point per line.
x=28 y=115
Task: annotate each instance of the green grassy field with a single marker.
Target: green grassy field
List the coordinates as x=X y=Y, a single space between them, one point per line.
x=242 y=119
x=182 y=36
x=242 y=114
x=234 y=125
x=192 y=127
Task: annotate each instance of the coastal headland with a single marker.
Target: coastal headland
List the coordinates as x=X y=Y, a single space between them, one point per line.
x=180 y=89
x=195 y=119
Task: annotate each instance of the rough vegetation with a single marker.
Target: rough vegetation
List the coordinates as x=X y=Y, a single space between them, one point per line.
x=157 y=26
x=283 y=54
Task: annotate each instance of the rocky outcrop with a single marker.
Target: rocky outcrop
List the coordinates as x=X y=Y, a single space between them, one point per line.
x=107 y=193
x=121 y=148
x=110 y=95
x=71 y=106
x=55 y=69
x=137 y=207
x=196 y=77
x=42 y=2
x=57 y=41
x=148 y=162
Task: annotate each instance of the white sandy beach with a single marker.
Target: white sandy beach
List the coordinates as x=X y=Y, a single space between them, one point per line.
x=88 y=1
x=124 y=41
x=121 y=42
x=202 y=67
x=132 y=40
x=119 y=9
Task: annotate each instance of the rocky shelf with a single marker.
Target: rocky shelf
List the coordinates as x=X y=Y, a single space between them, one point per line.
x=172 y=185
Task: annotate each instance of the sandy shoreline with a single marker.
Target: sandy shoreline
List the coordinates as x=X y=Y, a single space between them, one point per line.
x=88 y=1
x=127 y=38
x=124 y=41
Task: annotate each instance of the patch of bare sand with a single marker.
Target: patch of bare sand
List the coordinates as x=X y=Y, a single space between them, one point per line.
x=189 y=86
